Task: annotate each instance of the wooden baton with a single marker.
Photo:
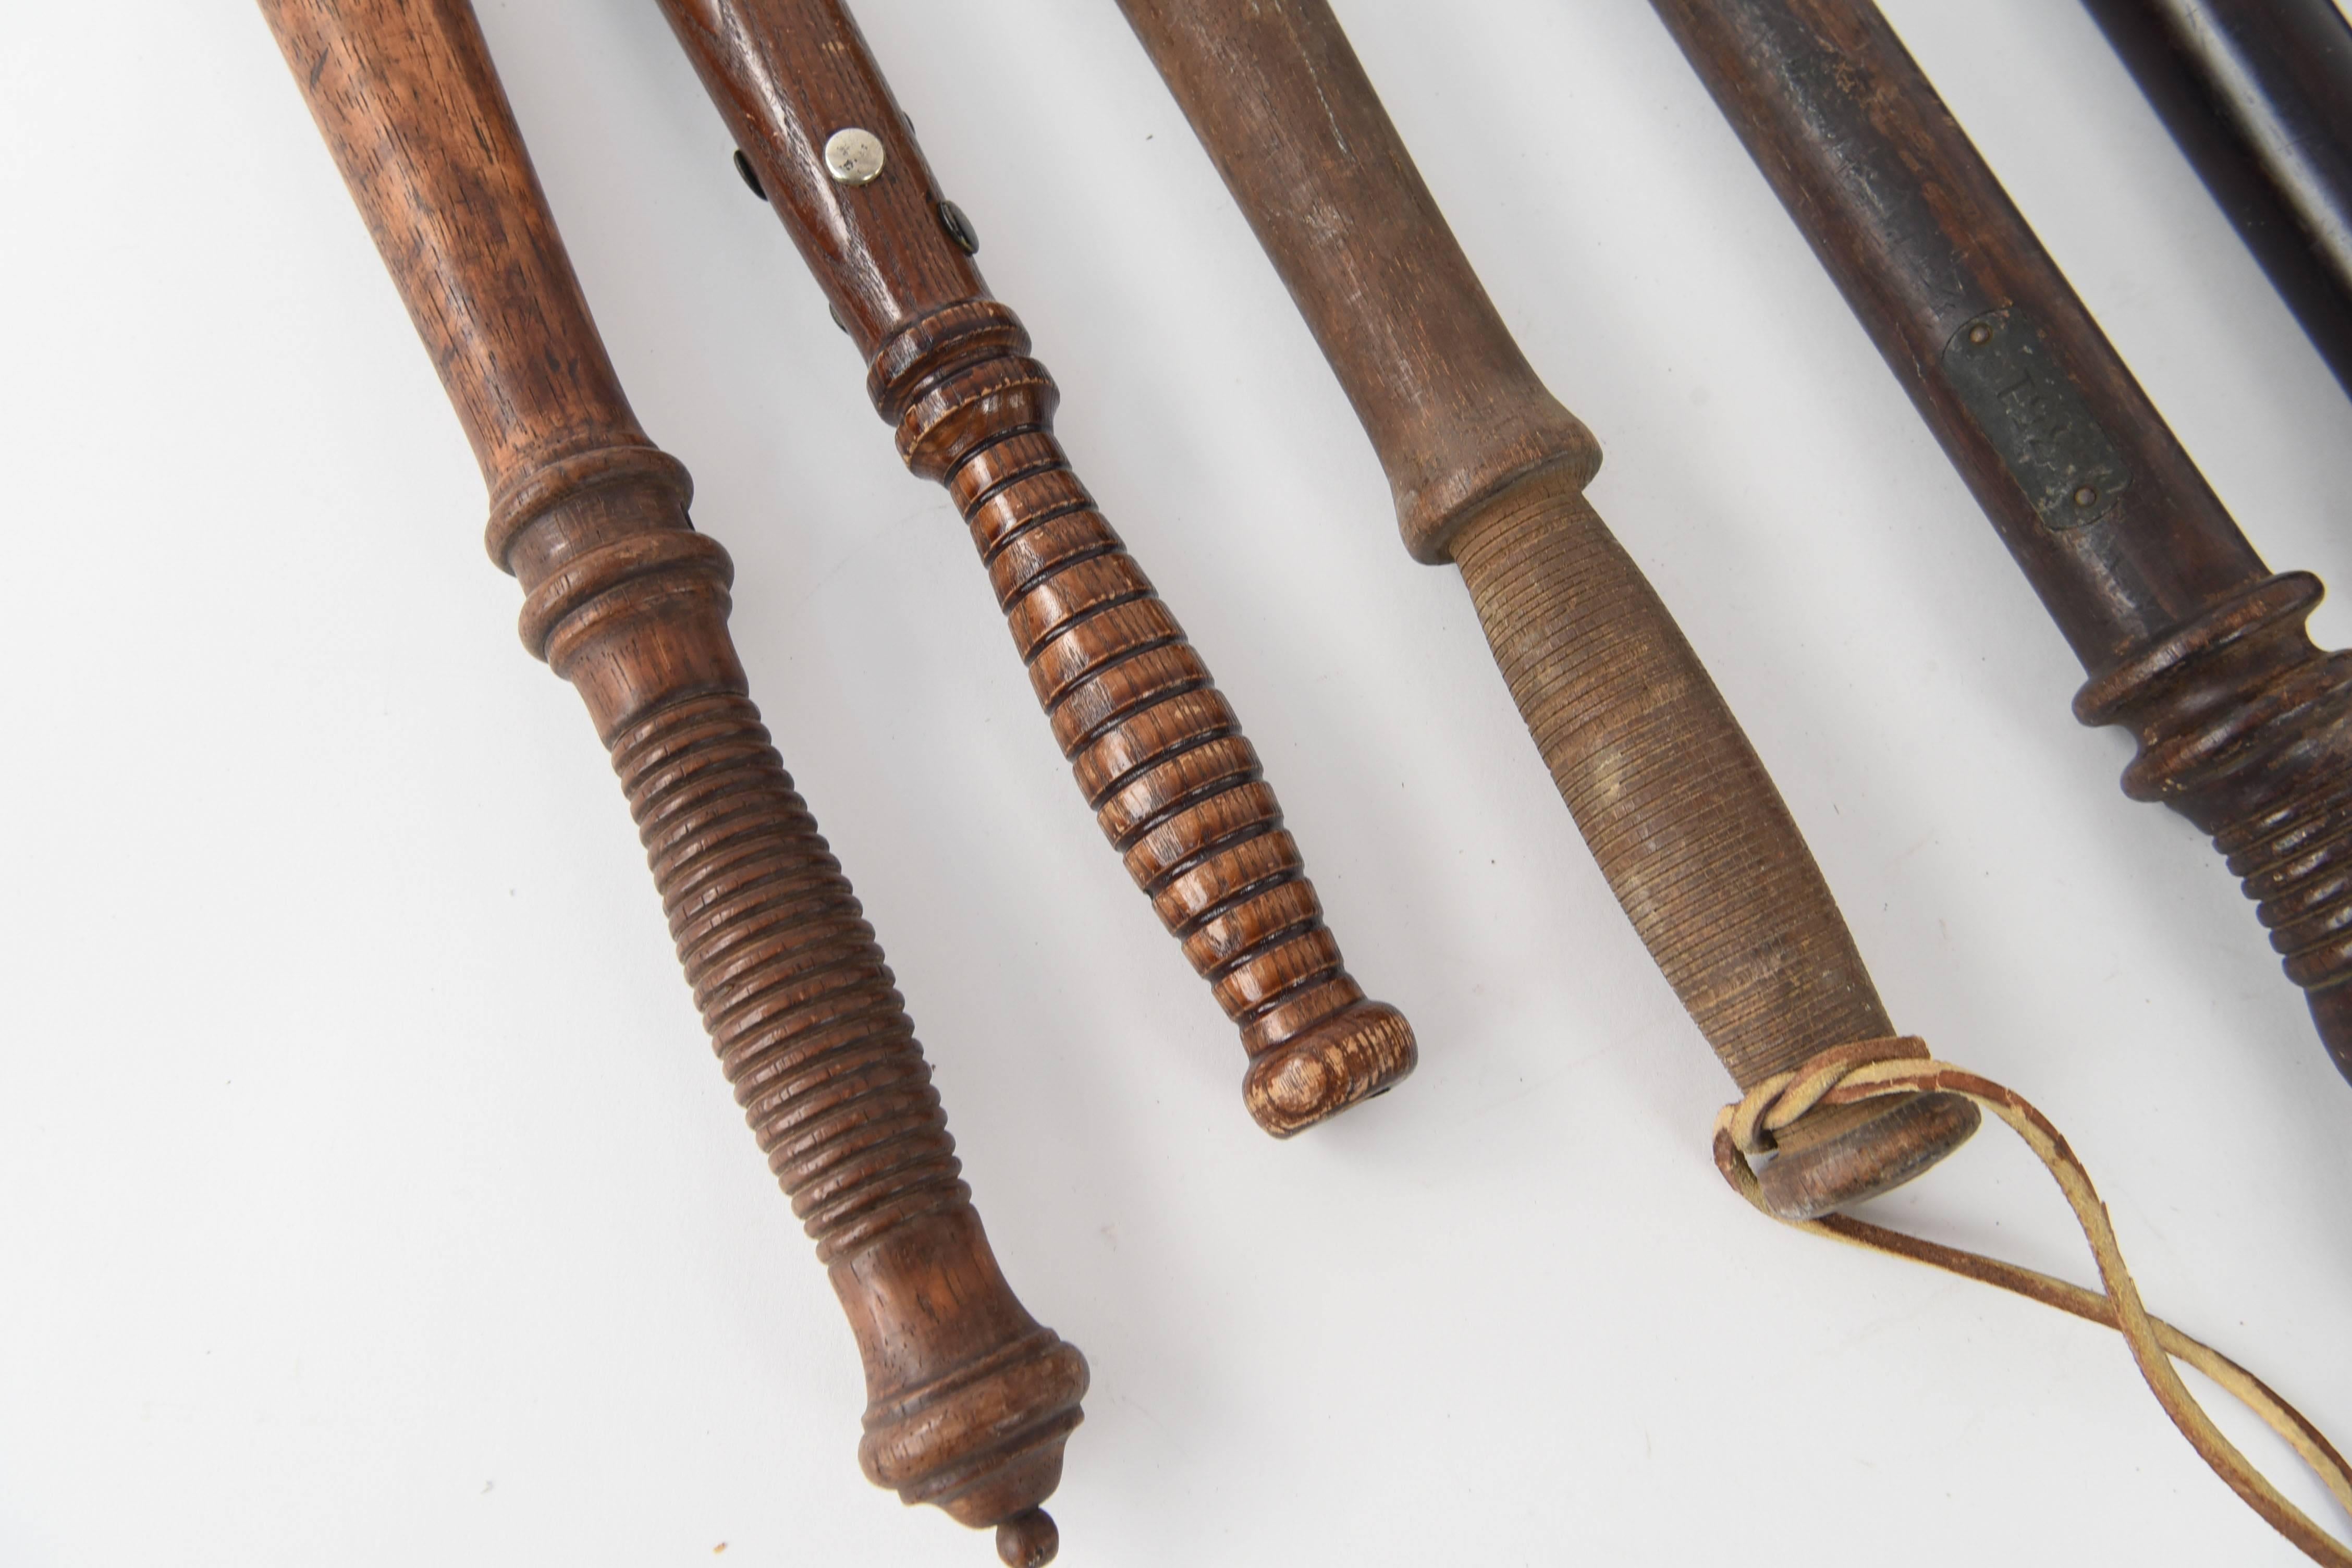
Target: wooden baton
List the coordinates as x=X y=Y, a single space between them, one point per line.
x=1488 y=470
x=2190 y=641
x=2258 y=93
x=969 y=1399
x=1175 y=785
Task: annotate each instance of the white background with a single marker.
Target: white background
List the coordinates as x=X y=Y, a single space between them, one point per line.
x=368 y=1194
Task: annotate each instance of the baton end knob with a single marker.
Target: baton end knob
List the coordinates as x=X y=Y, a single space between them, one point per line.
x=1888 y=1147
x=1362 y=1050
x=1028 y=1540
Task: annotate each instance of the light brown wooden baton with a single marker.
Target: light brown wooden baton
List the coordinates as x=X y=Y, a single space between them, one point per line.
x=1489 y=470
x=1175 y=785
x=970 y=1401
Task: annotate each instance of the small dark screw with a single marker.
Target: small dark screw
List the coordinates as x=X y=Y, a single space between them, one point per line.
x=751 y=175
x=2085 y=496
x=958 y=228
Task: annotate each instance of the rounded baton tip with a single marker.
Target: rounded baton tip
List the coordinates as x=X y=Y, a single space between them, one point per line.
x=1028 y=1540
x=1363 y=1049
x=1881 y=1153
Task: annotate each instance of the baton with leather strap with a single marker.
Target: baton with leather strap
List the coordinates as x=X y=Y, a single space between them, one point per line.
x=1488 y=470
x=2190 y=641
x=1175 y=785
x=969 y=1400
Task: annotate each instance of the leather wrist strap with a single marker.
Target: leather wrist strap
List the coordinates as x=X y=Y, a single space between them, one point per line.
x=1869 y=1069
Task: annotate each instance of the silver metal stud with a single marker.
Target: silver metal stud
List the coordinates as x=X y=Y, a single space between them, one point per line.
x=853 y=156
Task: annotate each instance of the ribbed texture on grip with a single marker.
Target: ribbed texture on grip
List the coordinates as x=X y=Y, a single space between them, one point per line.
x=1174 y=784
x=1684 y=821
x=805 y=1017
x=2295 y=862
x=1172 y=781
x=2246 y=729
x=1690 y=831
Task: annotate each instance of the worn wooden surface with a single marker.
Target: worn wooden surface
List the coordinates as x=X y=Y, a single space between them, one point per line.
x=1176 y=786
x=2245 y=727
x=1487 y=469
x=969 y=1400
x=2258 y=93
x=367 y=1157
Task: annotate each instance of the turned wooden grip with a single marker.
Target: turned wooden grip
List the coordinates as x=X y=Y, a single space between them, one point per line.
x=2245 y=728
x=969 y=1400
x=969 y=1406
x=808 y=1026
x=1174 y=784
x=1177 y=787
x=1688 y=828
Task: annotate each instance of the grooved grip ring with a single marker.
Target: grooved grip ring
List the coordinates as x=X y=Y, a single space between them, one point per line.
x=1175 y=785
x=1688 y=828
x=806 y=1018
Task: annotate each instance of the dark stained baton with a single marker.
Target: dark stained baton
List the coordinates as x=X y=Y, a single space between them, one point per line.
x=970 y=1401
x=1175 y=785
x=2258 y=93
x=1489 y=470
x=2244 y=726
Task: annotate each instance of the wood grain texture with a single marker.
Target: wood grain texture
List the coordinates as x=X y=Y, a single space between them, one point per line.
x=1175 y=785
x=969 y=1400
x=2190 y=642
x=1487 y=469
x=2258 y=93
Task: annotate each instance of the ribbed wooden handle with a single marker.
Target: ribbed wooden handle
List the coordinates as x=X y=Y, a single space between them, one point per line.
x=969 y=1399
x=1178 y=789
x=814 y=1038
x=1175 y=785
x=807 y=1022
x=2246 y=729
x=1688 y=828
